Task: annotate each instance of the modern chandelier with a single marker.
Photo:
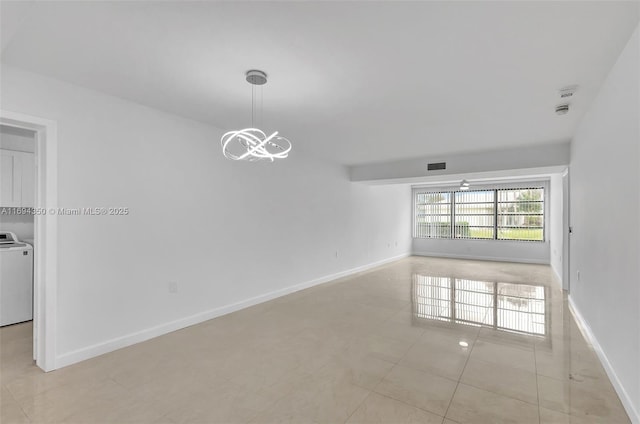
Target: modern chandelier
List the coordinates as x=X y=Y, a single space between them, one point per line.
x=253 y=144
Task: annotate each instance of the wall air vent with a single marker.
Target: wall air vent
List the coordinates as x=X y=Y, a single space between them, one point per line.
x=436 y=166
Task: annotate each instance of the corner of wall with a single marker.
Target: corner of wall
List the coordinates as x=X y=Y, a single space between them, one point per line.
x=107 y=346
x=588 y=334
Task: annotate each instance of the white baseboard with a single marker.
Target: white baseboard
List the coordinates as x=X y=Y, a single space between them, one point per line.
x=149 y=333
x=480 y=258
x=627 y=402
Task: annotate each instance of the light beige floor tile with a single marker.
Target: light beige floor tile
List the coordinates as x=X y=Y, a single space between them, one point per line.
x=17 y=347
x=15 y=367
x=403 y=332
x=164 y=420
x=505 y=338
x=569 y=363
x=384 y=348
x=581 y=399
x=258 y=370
x=177 y=384
x=223 y=403
x=37 y=382
x=310 y=350
x=365 y=371
x=445 y=361
x=317 y=399
x=507 y=355
x=553 y=364
x=554 y=394
x=548 y=416
x=588 y=369
x=420 y=389
x=383 y=410
x=61 y=403
x=17 y=332
x=477 y=406
x=503 y=380
x=449 y=336
x=366 y=294
x=120 y=407
x=406 y=317
x=313 y=356
x=10 y=410
x=12 y=413
x=146 y=368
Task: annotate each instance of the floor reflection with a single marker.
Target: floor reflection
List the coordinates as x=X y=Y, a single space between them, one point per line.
x=516 y=308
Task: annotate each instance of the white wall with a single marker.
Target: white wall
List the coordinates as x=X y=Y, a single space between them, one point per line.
x=555 y=224
x=511 y=160
x=225 y=231
x=489 y=250
x=605 y=216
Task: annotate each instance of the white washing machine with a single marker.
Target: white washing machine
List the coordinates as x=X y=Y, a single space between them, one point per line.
x=16 y=280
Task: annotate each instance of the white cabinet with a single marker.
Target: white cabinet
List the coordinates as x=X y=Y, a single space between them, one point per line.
x=17 y=178
x=28 y=180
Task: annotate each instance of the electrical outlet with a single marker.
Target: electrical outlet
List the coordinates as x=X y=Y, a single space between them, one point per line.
x=336 y=254
x=396 y=243
x=578 y=275
x=173 y=287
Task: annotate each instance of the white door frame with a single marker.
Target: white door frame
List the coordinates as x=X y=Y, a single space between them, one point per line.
x=566 y=232
x=45 y=276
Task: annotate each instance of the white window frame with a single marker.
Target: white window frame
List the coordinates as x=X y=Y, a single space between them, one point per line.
x=522 y=184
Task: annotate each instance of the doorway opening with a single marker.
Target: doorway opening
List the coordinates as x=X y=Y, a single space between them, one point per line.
x=31 y=189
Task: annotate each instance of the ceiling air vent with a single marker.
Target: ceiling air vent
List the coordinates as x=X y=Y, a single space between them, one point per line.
x=436 y=166
x=562 y=109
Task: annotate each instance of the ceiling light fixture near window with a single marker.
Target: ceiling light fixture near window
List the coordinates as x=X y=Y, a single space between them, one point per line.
x=464 y=185
x=463 y=343
x=253 y=144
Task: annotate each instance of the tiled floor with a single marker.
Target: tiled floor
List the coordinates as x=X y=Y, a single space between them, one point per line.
x=411 y=342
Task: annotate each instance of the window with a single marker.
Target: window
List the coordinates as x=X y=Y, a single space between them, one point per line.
x=433 y=215
x=490 y=214
x=474 y=214
x=521 y=214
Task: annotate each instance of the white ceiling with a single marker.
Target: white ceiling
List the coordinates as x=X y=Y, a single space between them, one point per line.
x=356 y=82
